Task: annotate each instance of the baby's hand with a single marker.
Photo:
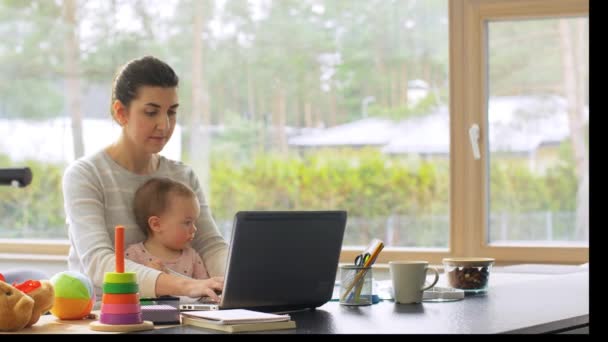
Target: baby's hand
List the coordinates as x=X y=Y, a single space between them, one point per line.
x=157 y=265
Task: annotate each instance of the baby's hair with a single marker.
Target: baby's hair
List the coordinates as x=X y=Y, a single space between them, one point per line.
x=144 y=71
x=152 y=199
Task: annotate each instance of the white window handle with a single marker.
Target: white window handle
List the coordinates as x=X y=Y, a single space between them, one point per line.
x=474 y=137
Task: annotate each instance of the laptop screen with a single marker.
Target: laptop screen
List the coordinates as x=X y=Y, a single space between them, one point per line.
x=283 y=260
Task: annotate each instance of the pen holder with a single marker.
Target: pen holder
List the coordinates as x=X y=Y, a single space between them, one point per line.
x=355 y=285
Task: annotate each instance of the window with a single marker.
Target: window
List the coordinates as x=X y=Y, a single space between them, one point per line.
x=548 y=113
x=530 y=188
x=284 y=105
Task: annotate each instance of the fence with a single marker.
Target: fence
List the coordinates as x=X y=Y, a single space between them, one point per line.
x=399 y=230
x=433 y=230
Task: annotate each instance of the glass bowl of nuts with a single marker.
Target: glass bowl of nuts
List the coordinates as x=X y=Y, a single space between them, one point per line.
x=468 y=274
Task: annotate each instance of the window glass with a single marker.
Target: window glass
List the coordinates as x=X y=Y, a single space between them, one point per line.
x=284 y=105
x=538 y=119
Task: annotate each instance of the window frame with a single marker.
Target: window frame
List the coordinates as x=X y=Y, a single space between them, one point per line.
x=34 y=247
x=468 y=91
x=476 y=14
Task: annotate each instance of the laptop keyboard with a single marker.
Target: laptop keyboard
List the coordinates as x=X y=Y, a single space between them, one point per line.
x=208 y=300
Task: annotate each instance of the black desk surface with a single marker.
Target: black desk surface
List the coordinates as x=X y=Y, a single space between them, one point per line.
x=515 y=303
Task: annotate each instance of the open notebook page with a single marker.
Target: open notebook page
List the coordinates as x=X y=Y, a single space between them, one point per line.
x=237 y=316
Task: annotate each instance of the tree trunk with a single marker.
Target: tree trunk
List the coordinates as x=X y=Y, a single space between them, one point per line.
x=382 y=89
x=257 y=100
x=299 y=111
x=262 y=101
x=275 y=115
x=278 y=118
x=575 y=107
x=426 y=70
x=404 y=84
x=71 y=53
x=394 y=79
x=199 y=118
x=317 y=103
x=331 y=98
x=308 y=114
x=293 y=113
x=250 y=95
x=147 y=23
x=219 y=102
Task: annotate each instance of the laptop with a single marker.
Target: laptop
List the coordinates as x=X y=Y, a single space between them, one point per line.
x=281 y=260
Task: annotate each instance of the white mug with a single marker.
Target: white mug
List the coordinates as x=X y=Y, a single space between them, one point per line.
x=408 y=279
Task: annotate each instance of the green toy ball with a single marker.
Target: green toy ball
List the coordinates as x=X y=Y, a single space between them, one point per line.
x=74 y=295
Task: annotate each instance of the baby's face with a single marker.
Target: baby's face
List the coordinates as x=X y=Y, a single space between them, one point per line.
x=178 y=222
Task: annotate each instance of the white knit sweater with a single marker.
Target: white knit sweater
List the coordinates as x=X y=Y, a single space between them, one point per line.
x=98 y=195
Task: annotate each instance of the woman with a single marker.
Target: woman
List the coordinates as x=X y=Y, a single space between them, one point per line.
x=98 y=189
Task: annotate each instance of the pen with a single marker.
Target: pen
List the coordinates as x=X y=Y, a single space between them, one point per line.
x=362 y=259
x=358 y=282
x=377 y=248
x=369 y=262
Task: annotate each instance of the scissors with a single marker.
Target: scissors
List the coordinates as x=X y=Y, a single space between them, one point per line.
x=361 y=259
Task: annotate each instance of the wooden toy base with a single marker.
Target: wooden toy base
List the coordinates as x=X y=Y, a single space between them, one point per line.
x=98 y=326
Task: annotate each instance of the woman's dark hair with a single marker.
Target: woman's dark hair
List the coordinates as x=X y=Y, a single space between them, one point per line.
x=144 y=71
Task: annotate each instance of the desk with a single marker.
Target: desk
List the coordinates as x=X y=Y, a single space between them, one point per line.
x=49 y=324
x=515 y=303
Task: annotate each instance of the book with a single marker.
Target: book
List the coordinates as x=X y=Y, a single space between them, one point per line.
x=233 y=316
x=160 y=314
x=237 y=327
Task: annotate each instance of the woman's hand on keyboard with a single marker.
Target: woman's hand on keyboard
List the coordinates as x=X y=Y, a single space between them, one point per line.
x=205 y=287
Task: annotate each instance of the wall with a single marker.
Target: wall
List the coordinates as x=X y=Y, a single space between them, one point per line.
x=50 y=266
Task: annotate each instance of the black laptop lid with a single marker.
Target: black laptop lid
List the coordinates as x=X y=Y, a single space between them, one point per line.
x=283 y=260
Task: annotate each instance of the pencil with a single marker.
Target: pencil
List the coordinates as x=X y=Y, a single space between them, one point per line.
x=362 y=281
x=362 y=272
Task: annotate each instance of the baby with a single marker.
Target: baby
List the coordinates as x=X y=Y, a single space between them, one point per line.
x=167 y=211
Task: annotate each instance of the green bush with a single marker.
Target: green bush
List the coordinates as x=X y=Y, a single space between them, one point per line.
x=371 y=186
x=35 y=211
x=364 y=182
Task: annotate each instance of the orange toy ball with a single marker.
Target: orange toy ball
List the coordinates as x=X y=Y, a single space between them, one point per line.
x=74 y=295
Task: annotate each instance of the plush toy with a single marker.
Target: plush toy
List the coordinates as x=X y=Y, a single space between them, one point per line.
x=21 y=305
x=74 y=295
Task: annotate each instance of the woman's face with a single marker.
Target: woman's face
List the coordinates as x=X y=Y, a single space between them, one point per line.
x=150 y=118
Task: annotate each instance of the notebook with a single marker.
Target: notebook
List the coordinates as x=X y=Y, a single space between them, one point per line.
x=282 y=260
x=236 y=316
x=160 y=314
x=238 y=327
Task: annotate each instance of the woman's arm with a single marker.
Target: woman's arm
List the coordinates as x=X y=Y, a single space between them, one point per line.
x=199 y=271
x=209 y=244
x=89 y=236
x=175 y=285
x=208 y=241
x=168 y=284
